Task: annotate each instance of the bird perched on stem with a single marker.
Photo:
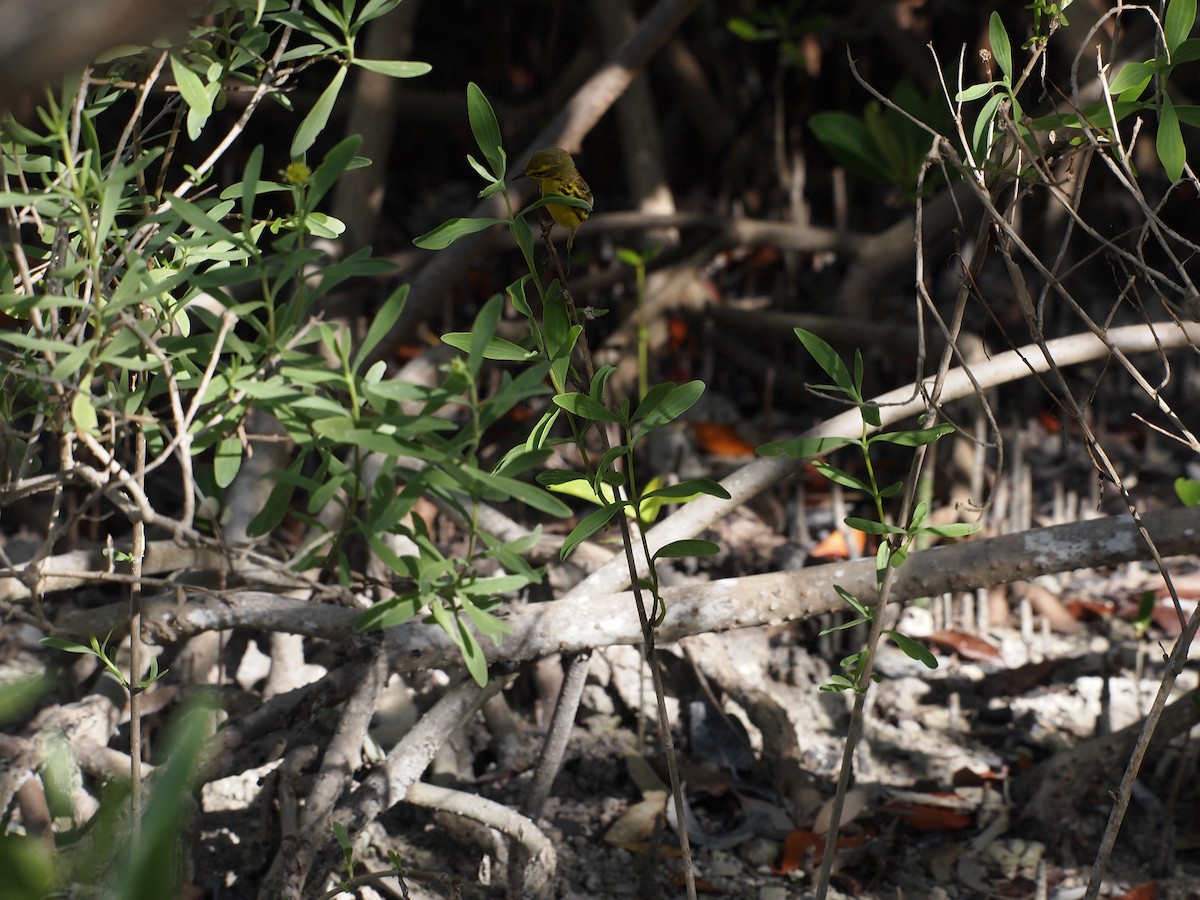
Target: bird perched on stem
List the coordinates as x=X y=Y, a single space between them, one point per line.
x=556 y=174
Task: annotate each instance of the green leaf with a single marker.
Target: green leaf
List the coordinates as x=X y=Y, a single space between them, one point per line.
x=870 y=526
x=916 y=438
x=826 y=357
x=227 y=461
x=486 y=129
x=588 y=526
x=584 y=406
x=485 y=623
x=372 y=9
x=451 y=230
x=496 y=348
x=802 y=448
x=483 y=329
x=1181 y=16
x=149 y=867
x=599 y=382
x=919 y=514
x=279 y=501
x=83 y=414
x=67 y=646
x=318 y=117
x=840 y=476
x=339 y=158
x=912 y=649
x=1131 y=80
x=1169 y=141
x=844 y=626
x=381 y=324
x=744 y=28
x=1188 y=51
x=975 y=91
x=249 y=186
x=1001 y=49
x=847 y=140
x=472 y=653
x=1188 y=491
x=670 y=405
x=339 y=832
x=579 y=488
x=854 y=603
x=529 y=494
x=200 y=220
x=391 y=612
x=837 y=683
x=980 y=137
x=952 y=529
x=396 y=68
x=194 y=94
x=688 y=490
x=687 y=548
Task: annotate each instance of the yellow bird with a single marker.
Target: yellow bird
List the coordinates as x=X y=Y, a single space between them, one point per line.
x=556 y=174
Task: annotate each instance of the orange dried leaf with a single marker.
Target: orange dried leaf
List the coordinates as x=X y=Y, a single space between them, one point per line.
x=720 y=440
x=968 y=646
x=930 y=818
x=1049 y=421
x=1147 y=890
x=795 y=849
x=835 y=546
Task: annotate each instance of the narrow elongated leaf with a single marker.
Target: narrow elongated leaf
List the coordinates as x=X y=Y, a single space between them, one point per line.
x=1132 y=79
x=388 y=613
x=384 y=319
x=529 y=494
x=981 y=136
x=915 y=438
x=673 y=404
x=485 y=623
x=975 y=91
x=870 y=526
x=1169 y=141
x=200 y=220
x=83 y=414
x=336 y=162
x=496 y=348
x=686 y=490
x=853 y=602
x=587 y=527
x=318 y=117
x=472 y=653
x=554 y=477
x=373 y=9
x=1001 y=49
x=273 y=511
x=486 y=129
x=584 y=406
x=395 y=68
x=687 y=548
x=249 y=186
x=227 y=461
x=826 y=357
x=952 y=529
x=801 y=448
x=842 y=477
x=912 y=649
x=194 y=94
x=1181 y=16
x=451 y=230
